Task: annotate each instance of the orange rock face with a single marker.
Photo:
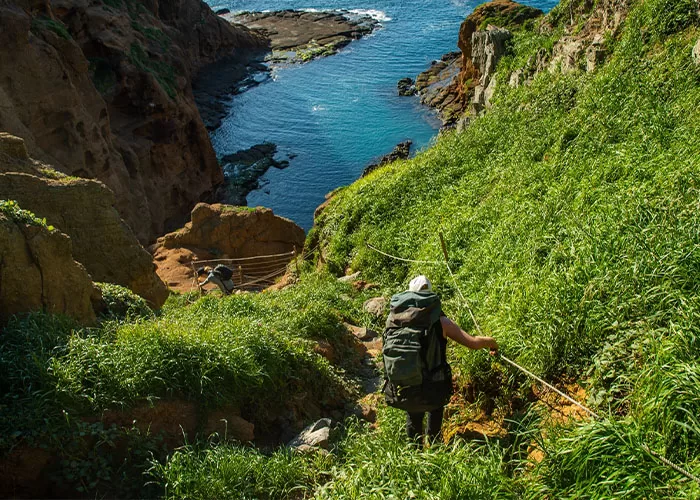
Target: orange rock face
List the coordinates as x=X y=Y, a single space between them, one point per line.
x=222 y=232
x=105 y=93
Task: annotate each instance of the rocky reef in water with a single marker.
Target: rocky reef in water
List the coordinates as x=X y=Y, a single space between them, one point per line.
x=102 y=90
x=300 y=36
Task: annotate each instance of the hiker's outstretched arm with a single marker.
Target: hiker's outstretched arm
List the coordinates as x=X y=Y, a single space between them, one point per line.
x=453 y=331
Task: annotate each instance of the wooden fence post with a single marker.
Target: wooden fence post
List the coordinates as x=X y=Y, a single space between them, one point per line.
x=296 y=260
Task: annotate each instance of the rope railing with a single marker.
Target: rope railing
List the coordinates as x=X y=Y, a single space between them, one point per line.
x=595 y=415
x=249 y=273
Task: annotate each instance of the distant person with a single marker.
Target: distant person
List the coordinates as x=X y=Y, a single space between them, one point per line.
x=418 y=377
x=221 y=276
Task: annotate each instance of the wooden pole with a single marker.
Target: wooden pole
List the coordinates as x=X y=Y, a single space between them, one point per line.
x=444 y=247
x=296 y=260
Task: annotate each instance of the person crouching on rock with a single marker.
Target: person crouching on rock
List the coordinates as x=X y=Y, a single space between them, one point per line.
x=418 y=378
x=220 y=276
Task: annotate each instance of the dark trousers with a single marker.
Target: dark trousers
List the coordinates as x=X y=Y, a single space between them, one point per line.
x=414 y=425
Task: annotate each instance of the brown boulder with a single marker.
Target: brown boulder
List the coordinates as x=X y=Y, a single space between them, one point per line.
x=229 y=424
x=84 y=210
x=223 y=232
x=38 y=273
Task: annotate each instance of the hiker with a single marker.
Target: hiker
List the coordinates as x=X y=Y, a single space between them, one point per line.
x=220 y=276
x=418 y=378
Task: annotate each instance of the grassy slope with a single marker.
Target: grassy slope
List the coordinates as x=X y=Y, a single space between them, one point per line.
x=570 y=212
x=254 y=352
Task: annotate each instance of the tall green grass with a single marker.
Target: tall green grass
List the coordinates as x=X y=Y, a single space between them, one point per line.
x=253 y=351
x=570 y=213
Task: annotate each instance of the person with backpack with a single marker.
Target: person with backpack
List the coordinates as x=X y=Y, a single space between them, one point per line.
x=221 y=276
x=418 y=378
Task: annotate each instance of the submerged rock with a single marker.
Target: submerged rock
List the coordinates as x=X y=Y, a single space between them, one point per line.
x=243 y=170
x=401 y=152
x=406 y=87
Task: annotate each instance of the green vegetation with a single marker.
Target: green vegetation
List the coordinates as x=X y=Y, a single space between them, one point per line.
x=570 y=211
x=570 y=214
x=102 y=74
x=123 y=304
x=12 y=210
x=253 y=352
x=163 y=72
x=40 y=24
x=153 y=34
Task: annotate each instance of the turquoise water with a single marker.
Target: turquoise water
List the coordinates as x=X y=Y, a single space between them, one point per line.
x=334 y=115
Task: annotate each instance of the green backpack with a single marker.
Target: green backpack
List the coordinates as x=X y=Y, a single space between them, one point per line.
x=416 y=372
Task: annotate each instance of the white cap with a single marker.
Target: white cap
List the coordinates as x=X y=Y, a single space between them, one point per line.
x=420 y=283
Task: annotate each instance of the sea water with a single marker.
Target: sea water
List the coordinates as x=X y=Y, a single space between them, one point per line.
x=332 y=116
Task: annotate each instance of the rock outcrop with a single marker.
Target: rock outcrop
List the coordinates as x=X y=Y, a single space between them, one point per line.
x=463 y=82
x=583 y=47
x=38 y=273
x=437 y=87
x=223 y=232
x=300 y=36
x=101 y=90
x=401 y=152
x=84 y=210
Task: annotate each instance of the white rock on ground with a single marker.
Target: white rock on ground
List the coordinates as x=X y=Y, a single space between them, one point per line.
x=315 y=435
x=376 y=306
x=349 y=278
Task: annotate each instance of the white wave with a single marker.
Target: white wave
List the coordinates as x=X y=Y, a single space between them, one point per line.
x=377 y=15
x=318 y=107
x=309 y=9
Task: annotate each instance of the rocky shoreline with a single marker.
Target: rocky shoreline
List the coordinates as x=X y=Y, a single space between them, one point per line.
x=298 y=36
x=293 y=37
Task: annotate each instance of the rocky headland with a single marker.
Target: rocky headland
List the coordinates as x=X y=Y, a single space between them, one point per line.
x=461 y=84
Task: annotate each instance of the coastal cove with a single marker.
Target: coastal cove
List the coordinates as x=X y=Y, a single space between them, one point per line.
x=332 y=116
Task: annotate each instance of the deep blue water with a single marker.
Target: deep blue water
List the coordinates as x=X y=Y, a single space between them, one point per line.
x=334 y=115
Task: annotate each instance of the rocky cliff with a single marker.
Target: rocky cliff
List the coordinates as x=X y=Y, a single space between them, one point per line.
x=461 y=85
x=102 y=90
x=84 y=210
x=38 y=272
